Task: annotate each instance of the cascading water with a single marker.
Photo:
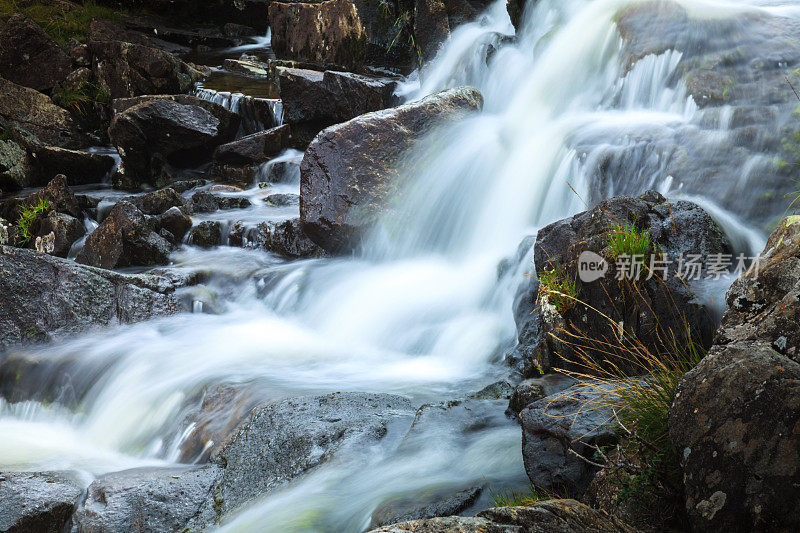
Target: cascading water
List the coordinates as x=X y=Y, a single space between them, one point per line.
x=423 y=311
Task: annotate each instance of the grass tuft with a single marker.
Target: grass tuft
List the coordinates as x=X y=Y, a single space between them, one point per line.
x=522 y=498
x=29 y=220
x=60 y=19
x=81 y=101
x=560 y=289
x=628 y=240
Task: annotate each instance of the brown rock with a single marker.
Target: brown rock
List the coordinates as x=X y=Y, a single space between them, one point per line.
x=431 y=26
x=29 y=57
x=65 y=229
x=32 y=111
x=255 y=148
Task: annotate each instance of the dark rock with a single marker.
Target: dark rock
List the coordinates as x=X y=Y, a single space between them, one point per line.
x=441 y=503
x=47 y=297
x=205 y=202
x=176 y=222
x=325 y=33
x=735 y=417
x=206 y=234
x=14 y=166
x=652 y=311
x=284 y=238
x=186 y=185
x=515 y=8
x=101 y=30
x=237 y=30
x=57 y=194
x=65 y=229
x=551 y=516
x=534 y=389
x=431 y=26
x=575 y=419
x=126 y=237
x=29 y=57
x=157 y=135
x=80 y=168
x=146 y=499
x=31 y=111
x=128 y=69
x=496 y=391
x=157 y=202
x=254 y=148
x=37 y=501
x=348 y=172
x=281 y=441
x=282 y=200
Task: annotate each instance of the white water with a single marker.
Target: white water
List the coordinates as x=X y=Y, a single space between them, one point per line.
x=421 y=313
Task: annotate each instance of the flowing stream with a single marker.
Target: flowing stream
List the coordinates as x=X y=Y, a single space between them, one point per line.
x=424 y=311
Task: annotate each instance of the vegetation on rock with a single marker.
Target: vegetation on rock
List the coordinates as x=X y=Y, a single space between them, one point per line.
x=29 y=219
x=61 y=20
x=560 y=290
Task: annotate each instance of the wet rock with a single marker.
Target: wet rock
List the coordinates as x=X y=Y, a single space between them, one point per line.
x=249 y=68
x=551 y=516
x=29 y=57
x=516 y=9
x=281 y=441
x=129 y=69
x=186 y=185
x=496 y=391
x=157 y=202
x=37 y=501
x=146 y=499
x=533 y=389
x=650 y=310
x=205 y=202
x=313 y=100
x=442 y=503
x=284 y=238
x=431 y=27
x=14 y=166
x=65 y=229
x=47 y=297
x=101 y=30
x=324 y=33
x=737 y=450
x=158 y=135
x=575 y=419
x=348 y=171
x=255 y=148
x=80 y=168
x=282 y=200
x=126 y=237
x=57 y=194
x=31 y=111
x=176 y=222
x=206 y=234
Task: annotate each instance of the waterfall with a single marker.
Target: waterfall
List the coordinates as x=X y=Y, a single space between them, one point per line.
x=257 y=113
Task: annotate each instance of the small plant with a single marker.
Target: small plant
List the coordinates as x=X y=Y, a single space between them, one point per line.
x=560 y=290
x=628 y=240
x=523 y=498
x=29 y=219
x=81 y=101
x=405 y=26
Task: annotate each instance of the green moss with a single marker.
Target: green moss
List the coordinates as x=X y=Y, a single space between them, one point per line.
x=60 y=19
x=29 y=220
x=560 y=290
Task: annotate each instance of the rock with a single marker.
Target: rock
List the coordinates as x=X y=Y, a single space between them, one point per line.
x=37 y=501
x=255 y=148
x=283 y=440
x=126 y=237
x=206 y=234
x=47 y=297
x=576 y=419
x=157 y=202
x=57 y=194
x=652 y=311
x=29 y=57
x=31 y=111
x=735 y=417
x=237 y=30
x=495 y=391
x=8 y=233
x=157 y=135
x=282 y=200
x=348 y=172
x=101 y=30
x=252 y=69
x=442 y=503
x=515 y=8
x=325 y=33
x=533 y=389
x=313 y=100
x=80 y=168
x=176 y=222
x=205 y=202
x=14 y=166
x=550 y=516
x=284 y=238
x=146 y=499
x=65 y=229
x=431 y=27
x=128 y=69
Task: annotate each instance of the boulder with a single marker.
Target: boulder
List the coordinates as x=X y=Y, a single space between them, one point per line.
x=126 y=237
x=532 y=389
x=325 y=33
x=313 y=100
x=108 y=30
x=155 y=136
x=283 y=440
x=206 y=234
x=349 y=171
x=653 y=312
x=65 y=229
x=146 y=499
x=128 y=69
x=38 y=501
x=29 y=57
x=282 y=200
x=57 y=194
x=33 y=112
x=157 y=202
x=735 y=418
x=205 y=202
x=575 y=419
x=15 y=167
x=284 y=238
x=176 y=222
x=80 y=168
x=550 y=516
x=47 y=297
x=255 y=148
x=439 y=503
x=431 y=26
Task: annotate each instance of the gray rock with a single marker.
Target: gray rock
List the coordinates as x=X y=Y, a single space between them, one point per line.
x=147 y=499
x=441 y=503
x=282 y=200
x=14 y=166
x=207 y=234
x=46 y=297
x=157 y=202
x=533 y=389
x=37 y=501
x=348 y=172
x=284 y=238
